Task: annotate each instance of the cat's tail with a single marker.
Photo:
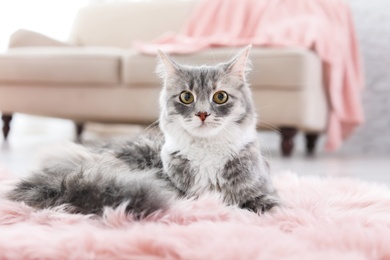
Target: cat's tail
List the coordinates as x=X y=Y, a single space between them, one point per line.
x=87 y=183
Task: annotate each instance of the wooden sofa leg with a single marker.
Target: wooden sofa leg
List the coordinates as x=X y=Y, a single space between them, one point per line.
x=287 y=145
x=79 y=131
x=311 y=141
x=6 y=118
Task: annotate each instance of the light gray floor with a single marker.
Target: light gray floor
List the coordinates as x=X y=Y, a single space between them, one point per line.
x=32 y=134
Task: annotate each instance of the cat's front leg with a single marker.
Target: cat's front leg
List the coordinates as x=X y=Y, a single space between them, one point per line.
x=261 y=203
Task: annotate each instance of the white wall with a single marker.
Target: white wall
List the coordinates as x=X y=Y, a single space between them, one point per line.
x=51 y=17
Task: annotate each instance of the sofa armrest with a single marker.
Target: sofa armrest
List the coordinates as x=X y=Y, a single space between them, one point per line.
x=26 y=38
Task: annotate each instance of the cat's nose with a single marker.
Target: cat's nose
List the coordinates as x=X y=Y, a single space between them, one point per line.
x=202 y=115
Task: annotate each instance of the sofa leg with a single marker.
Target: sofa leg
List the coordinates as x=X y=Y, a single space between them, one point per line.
x=287 y=145
x=6 y=124
x=79 y=131
x=311 y=141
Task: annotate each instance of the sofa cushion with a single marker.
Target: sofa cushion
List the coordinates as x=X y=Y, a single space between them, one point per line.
x=273 y=68
x=65 y=65
x=26 y=38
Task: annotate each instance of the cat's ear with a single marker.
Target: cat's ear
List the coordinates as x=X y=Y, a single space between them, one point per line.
x=166 y=66
x=240 y=64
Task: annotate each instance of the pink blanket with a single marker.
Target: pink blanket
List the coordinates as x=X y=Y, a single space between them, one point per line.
x=324 y=26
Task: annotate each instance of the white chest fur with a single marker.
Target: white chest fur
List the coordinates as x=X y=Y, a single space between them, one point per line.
x=207 y=159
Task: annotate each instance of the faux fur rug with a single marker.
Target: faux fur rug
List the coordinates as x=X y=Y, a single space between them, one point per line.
x=320 y=219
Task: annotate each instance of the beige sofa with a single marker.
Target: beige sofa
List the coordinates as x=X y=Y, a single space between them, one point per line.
x=96 y=76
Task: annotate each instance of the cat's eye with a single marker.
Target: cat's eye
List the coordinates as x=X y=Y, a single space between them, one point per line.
x=220 y=97
x=186 y=97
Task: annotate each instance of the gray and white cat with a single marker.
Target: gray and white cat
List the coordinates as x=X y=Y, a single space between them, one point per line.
x=209 y=145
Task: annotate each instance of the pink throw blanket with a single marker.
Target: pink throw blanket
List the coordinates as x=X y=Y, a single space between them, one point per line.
x=324 y=26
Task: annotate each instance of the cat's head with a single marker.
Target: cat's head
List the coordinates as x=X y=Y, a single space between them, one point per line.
x=206 y=100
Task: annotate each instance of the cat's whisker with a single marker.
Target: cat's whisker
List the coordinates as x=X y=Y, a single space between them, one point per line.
x=212 y=54
x=262 y=108
x=151 y=127
x=157 y=136
x=256 y=71
x=269 y=126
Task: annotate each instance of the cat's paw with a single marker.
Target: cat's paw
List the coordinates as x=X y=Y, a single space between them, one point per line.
x=261 y=204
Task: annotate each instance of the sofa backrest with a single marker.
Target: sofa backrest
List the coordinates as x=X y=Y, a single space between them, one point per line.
x=119 y=24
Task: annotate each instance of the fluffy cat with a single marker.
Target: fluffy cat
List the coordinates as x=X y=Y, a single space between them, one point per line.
x=209 y=144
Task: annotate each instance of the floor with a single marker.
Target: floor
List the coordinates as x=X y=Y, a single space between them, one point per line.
x=30 y=135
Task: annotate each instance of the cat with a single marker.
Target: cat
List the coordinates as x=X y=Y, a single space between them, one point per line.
x=209 y=145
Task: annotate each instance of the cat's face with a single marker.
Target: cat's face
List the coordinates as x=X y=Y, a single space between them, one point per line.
x=206 y=100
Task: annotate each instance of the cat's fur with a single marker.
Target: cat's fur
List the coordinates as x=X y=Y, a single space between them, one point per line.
x=220 y=155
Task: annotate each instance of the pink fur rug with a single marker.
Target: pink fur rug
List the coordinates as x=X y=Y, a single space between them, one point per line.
x=322 y=218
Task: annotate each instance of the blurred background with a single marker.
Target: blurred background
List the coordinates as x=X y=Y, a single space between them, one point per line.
x=365 y=153
x=53 y=18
